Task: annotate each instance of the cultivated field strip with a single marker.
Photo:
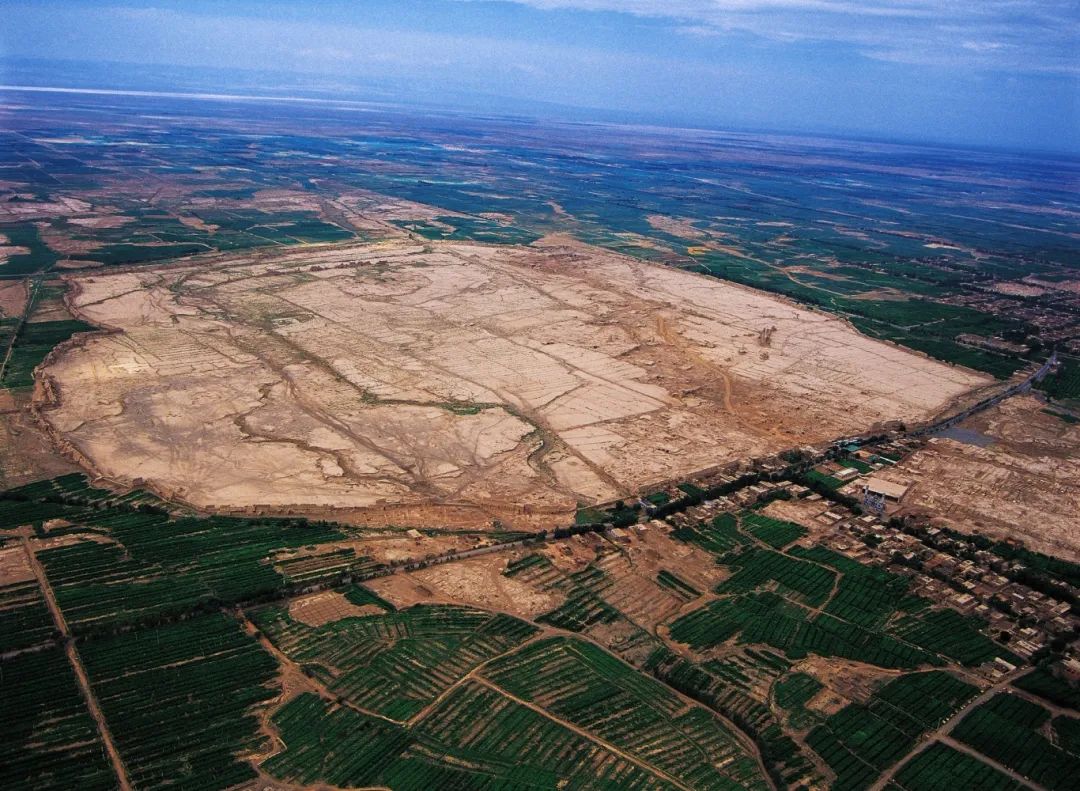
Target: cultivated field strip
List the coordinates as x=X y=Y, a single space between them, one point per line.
x=137 y=567
x=1013 y=731
x=24 y=617
x=476 y=723
x=179 y=700
x=396 y=663
x=475 y=738
x=583 y=685
x=731 y=687
x=942 y=768
x=816 y=601
x=50 y=741
x=863 y=740
x=864 y=595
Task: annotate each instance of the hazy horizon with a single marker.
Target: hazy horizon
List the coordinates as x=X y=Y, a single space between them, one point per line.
x=992 y=74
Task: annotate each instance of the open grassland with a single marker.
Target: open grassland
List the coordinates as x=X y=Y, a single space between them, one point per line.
x=481 y=382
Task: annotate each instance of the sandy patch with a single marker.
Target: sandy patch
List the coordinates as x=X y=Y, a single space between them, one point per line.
x=12 y=298
x=1015 y=289
x=477 y=581
x=103 y=221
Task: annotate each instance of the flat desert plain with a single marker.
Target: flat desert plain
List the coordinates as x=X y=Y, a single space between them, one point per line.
x=453 y=383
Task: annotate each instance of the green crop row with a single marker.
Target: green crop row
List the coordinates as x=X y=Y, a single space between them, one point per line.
x=706 y=683
x=758 y=566
x=581 y=684
x=862 y=740
x=719 y=536
x=777 y=533
x=30 y=346
x=395 y=663
x=1042 y=682
x=474 y=739
x=941 y=768
x=1006 y=728
x=865 y=595
x=179 y=700
x=24 y=618
x=682 y=588
x=50 y=742
x=952 y=635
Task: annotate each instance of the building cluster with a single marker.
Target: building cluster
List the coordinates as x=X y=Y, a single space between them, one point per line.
x=950 y=571
x=944 y=567
x=1053 y=315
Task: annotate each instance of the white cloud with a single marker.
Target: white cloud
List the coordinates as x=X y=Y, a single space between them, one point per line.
x=1015 y=35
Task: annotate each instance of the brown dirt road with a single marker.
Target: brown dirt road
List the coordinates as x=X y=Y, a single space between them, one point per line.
x=942 y=735
x=77 y=667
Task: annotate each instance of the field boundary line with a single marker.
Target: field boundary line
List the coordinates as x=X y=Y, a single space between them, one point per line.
x=967 y=749
x=941 y=733
x=320 y=689
x=471 y=675
x=77 y=666
x=653 y=770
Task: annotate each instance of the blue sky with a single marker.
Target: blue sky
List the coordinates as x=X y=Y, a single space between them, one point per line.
x=987 y=72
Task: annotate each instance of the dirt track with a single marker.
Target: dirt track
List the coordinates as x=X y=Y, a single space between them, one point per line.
x=78 y=669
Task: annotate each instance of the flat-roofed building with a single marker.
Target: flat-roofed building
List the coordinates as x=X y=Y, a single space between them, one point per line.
x=887 y=489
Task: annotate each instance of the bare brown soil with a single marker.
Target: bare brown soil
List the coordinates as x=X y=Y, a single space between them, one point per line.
x=845 y=682
x=477 y=581
x=487 y=382
x=323 y=608
x=801 y=512
x=26 y=454
x=12 y=296
x=15 y=566
x=1024 y=486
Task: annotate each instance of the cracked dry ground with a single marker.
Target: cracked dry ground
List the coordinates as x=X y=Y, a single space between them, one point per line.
x=453 y=383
